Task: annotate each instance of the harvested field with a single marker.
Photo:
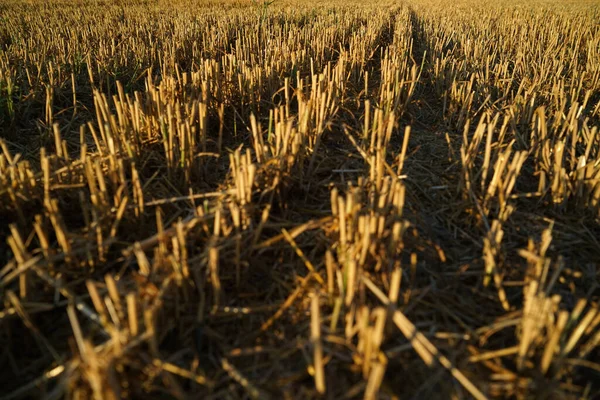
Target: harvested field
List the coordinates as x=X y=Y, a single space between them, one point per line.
x=233 y=199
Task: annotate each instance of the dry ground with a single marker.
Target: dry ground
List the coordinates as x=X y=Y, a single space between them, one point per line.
x=233 y=199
